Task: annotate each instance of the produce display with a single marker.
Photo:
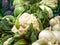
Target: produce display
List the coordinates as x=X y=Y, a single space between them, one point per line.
x=29 y=22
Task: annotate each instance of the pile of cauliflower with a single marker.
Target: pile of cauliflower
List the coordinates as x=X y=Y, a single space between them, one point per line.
x=47 y=36
x=50 y=35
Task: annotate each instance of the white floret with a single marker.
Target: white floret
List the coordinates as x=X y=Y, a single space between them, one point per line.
x=47 y=34
x=55 y=20
x=56 y=27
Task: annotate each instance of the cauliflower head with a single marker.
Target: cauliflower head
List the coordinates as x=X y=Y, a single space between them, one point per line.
x=47 y=34
x=25 y=20
x=51 y=3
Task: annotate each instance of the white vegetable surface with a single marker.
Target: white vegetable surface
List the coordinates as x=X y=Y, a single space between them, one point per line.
x=36 y=43
x=47 y=34
x=57 y=35
x=41 y=41
x=54 y=21
x=56 y=27
x=25 y=20
x=58 y=17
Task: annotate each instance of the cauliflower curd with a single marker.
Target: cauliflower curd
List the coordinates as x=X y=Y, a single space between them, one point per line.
x=25 y=20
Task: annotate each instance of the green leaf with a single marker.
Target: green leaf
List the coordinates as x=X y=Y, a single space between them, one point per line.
x=34 y=1
x=34 y=36
x=31 y=34
x=45 y=20
x=18 y=10
x=10 y=19
x=29 y=31
x=17 y=23
x=4 y=39
x=21 y=42
x=6 y=25
x=40 y=24
x=16 y=35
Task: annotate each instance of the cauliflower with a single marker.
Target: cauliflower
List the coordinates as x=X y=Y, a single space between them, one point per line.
x=48 y=9
x=55 y=20
x=7 y=41
x=51 y=3
x=56 y=27
x=47 y=34
x=36 y=43
x=57 y=17
x=25 y=20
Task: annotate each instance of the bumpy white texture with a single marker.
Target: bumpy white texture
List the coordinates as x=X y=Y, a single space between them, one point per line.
x=25 y=20
x=55 y=20
x=47 y=35
x=57 y=35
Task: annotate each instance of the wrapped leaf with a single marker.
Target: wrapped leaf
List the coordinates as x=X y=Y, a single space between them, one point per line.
x=31 y=34
x=6 y=24
x=21 y=42
x=17 y=23
x=10 y=19
x=45 y=20
x=18 y=10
